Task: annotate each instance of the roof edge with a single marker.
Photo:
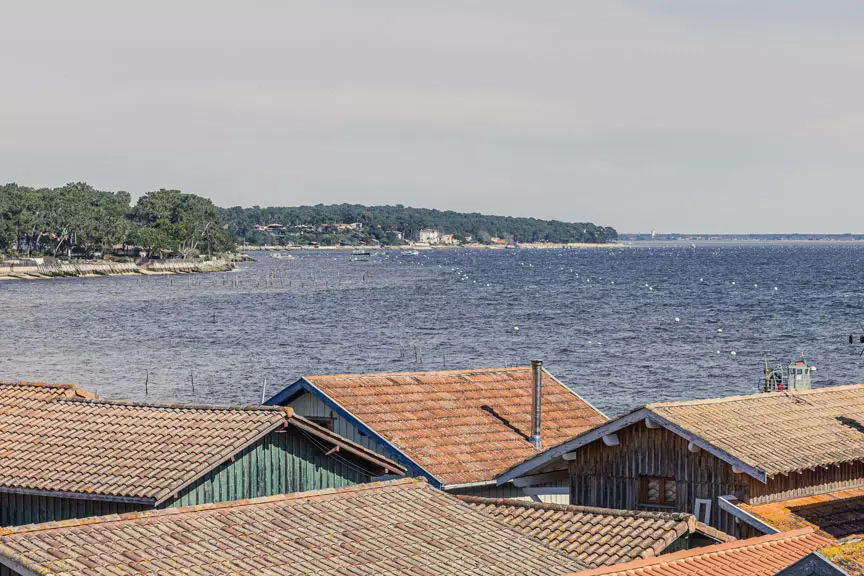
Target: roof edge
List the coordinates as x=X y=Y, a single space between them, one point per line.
x=46 y=526
x=714 y=549
x=684 y=517
x=722 y=399
x=78 y=495
x=418 y=373
x=352 y=447
x=181 y=406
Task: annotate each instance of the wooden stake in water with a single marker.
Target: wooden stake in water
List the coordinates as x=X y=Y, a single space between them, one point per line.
x=192 y=378
x=146 y=382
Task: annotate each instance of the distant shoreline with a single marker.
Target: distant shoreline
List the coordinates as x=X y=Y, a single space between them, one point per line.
x=107 y=268
x=429 y=248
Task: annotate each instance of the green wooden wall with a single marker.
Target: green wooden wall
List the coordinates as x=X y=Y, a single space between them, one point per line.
x=282 y=462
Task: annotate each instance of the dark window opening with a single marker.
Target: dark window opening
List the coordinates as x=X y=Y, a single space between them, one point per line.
x=323 y=422
x=656 y=491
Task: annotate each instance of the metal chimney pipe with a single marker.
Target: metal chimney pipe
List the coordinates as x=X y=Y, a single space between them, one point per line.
x=536 y=403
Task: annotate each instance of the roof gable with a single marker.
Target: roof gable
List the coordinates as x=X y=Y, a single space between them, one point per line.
x=461 y=426
x=582 y=532
x=371 y=529
x=762 y=434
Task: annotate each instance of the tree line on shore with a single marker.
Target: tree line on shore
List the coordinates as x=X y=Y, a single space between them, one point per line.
x=78 y=219
x=393 y=225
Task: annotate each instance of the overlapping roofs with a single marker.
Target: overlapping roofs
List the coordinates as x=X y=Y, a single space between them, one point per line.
x=388 y=528
x=762 y=434
x=462 y=426
x=763 y=556
x=55 y=439
x=596 y=536
x=838 y=514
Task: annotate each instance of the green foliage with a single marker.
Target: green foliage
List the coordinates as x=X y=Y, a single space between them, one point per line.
x=78 y=219
x=380 y=224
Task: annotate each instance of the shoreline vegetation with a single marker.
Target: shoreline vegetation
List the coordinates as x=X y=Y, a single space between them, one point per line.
x=78 y=231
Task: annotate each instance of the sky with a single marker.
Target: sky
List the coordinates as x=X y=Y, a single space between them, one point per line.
x=717 y=116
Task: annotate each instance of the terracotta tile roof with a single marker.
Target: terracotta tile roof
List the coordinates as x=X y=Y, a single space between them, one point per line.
x=462 y=426
x=120 y=449
x=383 y=529
x=19 y=393
x=847 y=555
x=763 y=556
x=596 y=536
x=778 y=432
x=838 y=514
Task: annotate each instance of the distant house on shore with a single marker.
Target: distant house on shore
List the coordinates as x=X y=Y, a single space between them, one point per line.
x=428 y=235
x=69 y=454
x=458 y=428
x=747 y=465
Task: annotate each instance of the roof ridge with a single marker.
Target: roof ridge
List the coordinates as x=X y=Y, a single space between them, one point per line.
x=812 y=391
x=679 y=516
x=127 y=516
x=37 y=384
x=180 y=405
x=427 y=372
x=715 y=549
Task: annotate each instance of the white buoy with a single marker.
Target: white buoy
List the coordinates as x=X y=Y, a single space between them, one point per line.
x=701 y=280
x=650 y=288
x=775 y=288
x=755 y=285
x=734 y=353
x=613 y=282
x=719 y=330
x=515 y=329
x=718 y=351
x=677 y=319
x=733 y=283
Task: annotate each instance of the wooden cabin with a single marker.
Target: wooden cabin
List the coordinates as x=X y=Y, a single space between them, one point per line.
x=719 y=459
x=65 y=453
x=459 y=428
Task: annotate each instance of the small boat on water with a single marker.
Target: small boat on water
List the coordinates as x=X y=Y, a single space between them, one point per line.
x=410 y=253
x=281 y=256
x=361 y=253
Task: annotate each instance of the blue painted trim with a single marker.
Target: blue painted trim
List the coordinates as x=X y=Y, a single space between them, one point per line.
x=303 y=386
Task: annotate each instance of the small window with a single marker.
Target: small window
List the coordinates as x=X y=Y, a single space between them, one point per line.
x=323 y=422
x=656 y=491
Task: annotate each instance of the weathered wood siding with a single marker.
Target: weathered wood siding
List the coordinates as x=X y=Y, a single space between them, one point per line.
x=807 y=483
x=282 y=462
x=313 y=407
x=609 y=476
x=17 y=509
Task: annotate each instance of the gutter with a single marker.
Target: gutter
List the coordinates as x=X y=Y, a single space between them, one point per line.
x=726 y=504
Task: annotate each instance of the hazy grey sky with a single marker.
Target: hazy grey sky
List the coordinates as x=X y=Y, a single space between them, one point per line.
x=724 y=116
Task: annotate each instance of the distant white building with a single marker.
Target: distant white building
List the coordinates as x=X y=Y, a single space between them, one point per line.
x=429 y=235
x=446 y=239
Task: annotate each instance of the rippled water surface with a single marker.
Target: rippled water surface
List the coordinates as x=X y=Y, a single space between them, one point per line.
x=603 y=320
